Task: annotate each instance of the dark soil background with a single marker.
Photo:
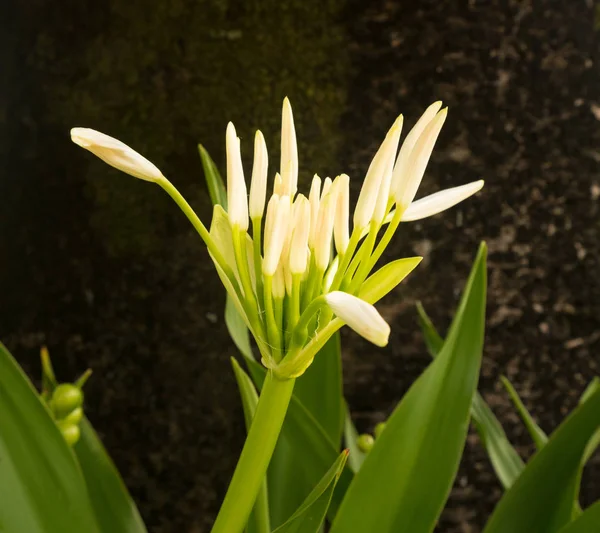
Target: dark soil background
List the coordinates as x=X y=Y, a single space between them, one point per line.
x=104 y=270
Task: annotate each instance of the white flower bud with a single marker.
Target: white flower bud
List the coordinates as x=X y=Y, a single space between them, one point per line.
x=419 y=158
x=367 y=199
x=324 y=232
x=326 y=187
x=237 y=200
x=299 y=243
x=278 y=290
x=276 y=230
x=277 y=185
x=383 y=195
x=342 y=214
x=402 y=163
x=440 y=201
x=116 y=153
x=360 y=316
x=289 y=147
x=314 y=198
x=258 y=185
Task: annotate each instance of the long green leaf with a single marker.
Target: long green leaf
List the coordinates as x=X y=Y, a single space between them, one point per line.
x=320 y=389
x=259 y=519
x=537 y=434
x=588 y=522
x=309 y=517
x=42 y=489
x=387 y=278
x=115 y=510
x=407 y=476
x=506 y=462
x=541 y=500
x=595 y=440
x=237 y=329
x=357 y=456
x=216 y=187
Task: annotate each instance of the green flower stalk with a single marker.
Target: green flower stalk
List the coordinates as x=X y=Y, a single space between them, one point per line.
x=295 y=271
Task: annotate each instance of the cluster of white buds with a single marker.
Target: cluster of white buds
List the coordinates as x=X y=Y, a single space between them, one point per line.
x=304 y=273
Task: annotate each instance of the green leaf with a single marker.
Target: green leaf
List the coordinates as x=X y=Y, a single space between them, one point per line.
x=588 y=522
x=310 y=516
x=320 y=389
x=591 y=389
x=387 y=278
x=237 y=329
x=541 y=499
x=42 y=489
x=357 y=456
x=506 y=462
x=259 y=521
x=407 y=476
x=216 y=187
x=536 y=432
x=115 y=510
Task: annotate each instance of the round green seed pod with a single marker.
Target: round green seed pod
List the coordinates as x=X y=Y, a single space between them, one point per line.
x=379 y=429
x=65 y=398
x=70 y=433
x=365 y=442
x=74 y=417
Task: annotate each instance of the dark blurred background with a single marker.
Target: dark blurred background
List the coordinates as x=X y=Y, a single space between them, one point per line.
x=105 y=270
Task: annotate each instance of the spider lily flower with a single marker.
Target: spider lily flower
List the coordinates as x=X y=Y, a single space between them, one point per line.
x=304 y=273
x=116 y=153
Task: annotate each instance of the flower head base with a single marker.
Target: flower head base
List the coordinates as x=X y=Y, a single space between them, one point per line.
x=304 y=273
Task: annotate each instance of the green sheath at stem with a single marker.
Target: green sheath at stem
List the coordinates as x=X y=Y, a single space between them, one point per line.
x=252 y=466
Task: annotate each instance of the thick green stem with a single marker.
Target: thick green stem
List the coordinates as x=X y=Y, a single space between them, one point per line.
x=256 y=455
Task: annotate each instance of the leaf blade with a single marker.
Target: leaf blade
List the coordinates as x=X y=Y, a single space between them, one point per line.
x=407 y=476
x=115 y=510
x=538 y=501
x=39 y=475
x=505 y=460
x=310 y=516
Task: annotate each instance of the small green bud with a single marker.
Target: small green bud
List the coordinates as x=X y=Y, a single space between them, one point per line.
x=379 y=429
x=365 y=442
x=74 y=417
x=66 y=398
x=70 y=432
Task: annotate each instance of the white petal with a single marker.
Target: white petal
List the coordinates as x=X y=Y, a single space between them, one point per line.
x=299 y=244
x=383 y=195
x=289 y=147
x=367 y=198
x=342 y=214
x=237 y=200
x=116 y=153
x=419 y=158
x=402 y=163
x=276 y=231
x=314 y=198
x=258 y=185
x=360 y=316
x=440 y=201
x=324 y=233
